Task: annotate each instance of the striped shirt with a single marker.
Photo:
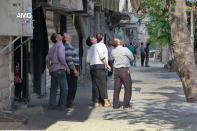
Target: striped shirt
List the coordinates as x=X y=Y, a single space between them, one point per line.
x=72 y=57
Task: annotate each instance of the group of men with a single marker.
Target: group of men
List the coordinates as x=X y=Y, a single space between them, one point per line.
x=63 y=64
x=98 y=57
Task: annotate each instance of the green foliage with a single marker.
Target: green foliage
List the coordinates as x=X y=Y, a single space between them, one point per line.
x=158 y=26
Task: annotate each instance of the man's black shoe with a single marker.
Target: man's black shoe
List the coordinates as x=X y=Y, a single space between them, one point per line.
x=127 y=107
x=116 y=107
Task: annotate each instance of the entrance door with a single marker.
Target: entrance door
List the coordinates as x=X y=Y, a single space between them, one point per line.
x=22 y=68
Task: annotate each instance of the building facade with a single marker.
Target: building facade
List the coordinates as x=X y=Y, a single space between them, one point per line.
x=26 y=42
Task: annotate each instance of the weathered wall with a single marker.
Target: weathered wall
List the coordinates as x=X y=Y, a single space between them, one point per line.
x=5 y=77
x=50 y=30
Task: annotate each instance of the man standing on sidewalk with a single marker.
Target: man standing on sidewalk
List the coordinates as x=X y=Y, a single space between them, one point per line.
x=72 y=59
x=147 y=54
x=102 y=47
x=57 y=66
x=98 y=63
x=122 y=57
x=110 y=61
x=143 y=53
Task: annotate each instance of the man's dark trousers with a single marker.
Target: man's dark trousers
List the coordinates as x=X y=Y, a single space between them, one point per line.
x=122 y=76
x=99 y=84
x=143 y=55
x=72 y=86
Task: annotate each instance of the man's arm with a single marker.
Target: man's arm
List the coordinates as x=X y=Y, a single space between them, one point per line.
x=74 y=54
x=129 y=54
x=88 y=58
x=48 y=62
x=106 y=64
x=100 y=52
x=61 y=56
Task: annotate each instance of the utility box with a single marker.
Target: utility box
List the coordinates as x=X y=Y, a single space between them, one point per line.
x=16 y=18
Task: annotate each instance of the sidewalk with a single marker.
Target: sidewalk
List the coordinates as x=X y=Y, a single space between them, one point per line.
x=158 y=104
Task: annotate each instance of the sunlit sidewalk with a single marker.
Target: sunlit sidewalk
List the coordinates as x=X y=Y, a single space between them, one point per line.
x=158 y=104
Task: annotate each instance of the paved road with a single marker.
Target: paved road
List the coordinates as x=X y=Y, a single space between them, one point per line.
x=158 y=104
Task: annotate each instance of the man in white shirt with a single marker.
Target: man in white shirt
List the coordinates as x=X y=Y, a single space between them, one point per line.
x=98 y=63
x=122 y=57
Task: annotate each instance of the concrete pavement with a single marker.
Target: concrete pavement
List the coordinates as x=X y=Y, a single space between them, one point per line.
x=158 y=104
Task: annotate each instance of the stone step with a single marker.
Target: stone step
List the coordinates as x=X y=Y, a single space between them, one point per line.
x=10 y=119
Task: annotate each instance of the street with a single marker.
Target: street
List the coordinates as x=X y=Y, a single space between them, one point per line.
x=158 y=103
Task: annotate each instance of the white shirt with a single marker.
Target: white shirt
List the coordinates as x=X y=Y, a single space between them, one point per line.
x=121 y=56
x=96 y=53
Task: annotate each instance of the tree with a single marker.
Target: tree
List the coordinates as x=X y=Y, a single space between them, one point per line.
x=182 y=50
x=158 y=27
x=173 y=13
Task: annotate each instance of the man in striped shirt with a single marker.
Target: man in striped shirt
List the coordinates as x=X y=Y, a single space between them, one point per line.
x=72 y=58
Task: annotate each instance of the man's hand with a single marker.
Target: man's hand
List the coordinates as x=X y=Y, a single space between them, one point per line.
x=67 y=70
x=109 y=68
x=76 y=73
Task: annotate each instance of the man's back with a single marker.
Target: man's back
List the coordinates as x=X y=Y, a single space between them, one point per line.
x=121 y=56
x=101 y=47
x=93 y=56
x=142 y=49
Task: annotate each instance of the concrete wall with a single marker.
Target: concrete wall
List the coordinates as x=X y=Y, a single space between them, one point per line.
x=50 y=30
x=9 y=10
x=6 y=77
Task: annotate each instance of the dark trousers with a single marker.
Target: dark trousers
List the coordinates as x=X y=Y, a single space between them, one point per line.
x=147 y=60
x=99 y=84
x=18 y=90
x=110 y=62
x=142 y=58
x=72 y=86
x=122 y=76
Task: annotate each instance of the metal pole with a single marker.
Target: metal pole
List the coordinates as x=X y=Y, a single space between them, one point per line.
x=21 y=62
x=11 y=42
x=22 y=46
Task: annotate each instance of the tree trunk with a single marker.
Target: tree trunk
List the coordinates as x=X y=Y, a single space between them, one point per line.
x=182 y=50
x=165 y=55
x=195 y=54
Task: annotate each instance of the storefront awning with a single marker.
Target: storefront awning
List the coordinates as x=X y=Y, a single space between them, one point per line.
x=122 y=5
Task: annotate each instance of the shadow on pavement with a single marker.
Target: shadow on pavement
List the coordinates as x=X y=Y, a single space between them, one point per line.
x=158 y=111
x=79 y=113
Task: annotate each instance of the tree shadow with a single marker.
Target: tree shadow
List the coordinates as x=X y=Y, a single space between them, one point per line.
x=158 y=111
